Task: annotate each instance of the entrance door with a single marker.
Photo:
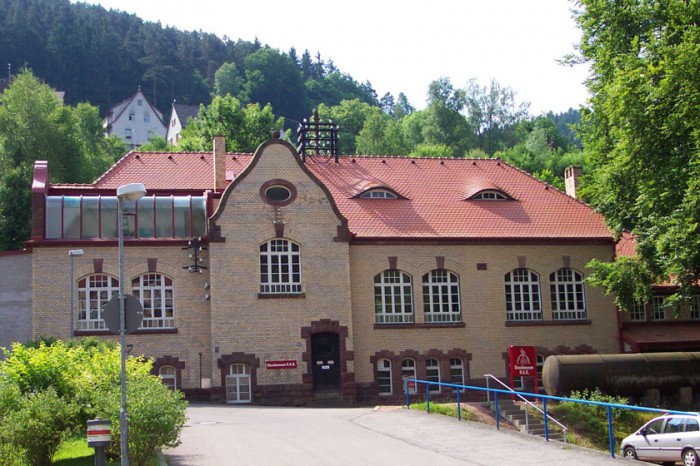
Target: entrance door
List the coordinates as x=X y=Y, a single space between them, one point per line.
x=238 y=383
x=325 y=354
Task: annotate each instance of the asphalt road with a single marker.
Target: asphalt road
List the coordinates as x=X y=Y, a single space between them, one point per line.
x=253 y=435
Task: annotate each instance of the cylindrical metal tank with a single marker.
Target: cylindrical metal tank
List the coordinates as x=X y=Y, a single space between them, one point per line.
x=621 y=374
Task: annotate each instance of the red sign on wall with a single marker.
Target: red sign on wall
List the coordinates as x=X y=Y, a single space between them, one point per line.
x=523 y=363
x=284 y=364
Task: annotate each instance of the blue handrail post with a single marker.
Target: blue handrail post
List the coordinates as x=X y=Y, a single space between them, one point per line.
x=427 y=398
x=546 y=419
x=459 y=407
x=405 y=389
x=498 y=417
x=610 y=431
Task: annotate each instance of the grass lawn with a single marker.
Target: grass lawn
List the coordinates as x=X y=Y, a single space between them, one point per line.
x=75 y=452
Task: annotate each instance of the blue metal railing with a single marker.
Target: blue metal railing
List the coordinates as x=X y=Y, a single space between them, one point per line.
x=495 y=391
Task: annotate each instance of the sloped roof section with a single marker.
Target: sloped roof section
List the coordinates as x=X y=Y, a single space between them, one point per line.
x=434 y=195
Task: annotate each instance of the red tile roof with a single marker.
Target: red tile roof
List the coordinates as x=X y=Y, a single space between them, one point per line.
x=436 y=193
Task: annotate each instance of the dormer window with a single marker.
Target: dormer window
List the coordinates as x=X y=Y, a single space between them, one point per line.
x=379 y=194
x=490 y=195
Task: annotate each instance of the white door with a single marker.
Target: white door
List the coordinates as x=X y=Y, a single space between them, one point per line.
x=238 y=384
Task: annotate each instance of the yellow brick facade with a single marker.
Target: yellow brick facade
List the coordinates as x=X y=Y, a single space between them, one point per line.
x=221 y=314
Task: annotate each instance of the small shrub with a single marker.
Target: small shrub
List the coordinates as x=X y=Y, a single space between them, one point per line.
x=447 y=409
x=591 y=421
x=39 y=425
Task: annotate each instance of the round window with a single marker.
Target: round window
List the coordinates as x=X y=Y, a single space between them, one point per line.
x=278 y=193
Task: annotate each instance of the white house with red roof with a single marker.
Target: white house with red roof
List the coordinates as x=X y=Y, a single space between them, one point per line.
x=134 y=120
x=279 y=277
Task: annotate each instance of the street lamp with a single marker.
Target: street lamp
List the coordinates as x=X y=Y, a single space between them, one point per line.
x=127 y=192
x=73 y=253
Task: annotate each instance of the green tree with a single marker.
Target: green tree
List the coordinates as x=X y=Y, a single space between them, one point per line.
x=382 y=135
x=36 y=125
x=444 y=125
x=493 y=114
x=350 y=116
x=643 y=133
x=245 y=127
x=228 y=80
x=272 y=78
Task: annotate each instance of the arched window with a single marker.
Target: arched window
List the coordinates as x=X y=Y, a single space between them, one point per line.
x=441 y=297
x=155 y=291
x=238 y=387
x=490 y=195
x=168 y=374
x=408 y=371
x=378 y=193
x=523 y=300
x=94 y=291
x=393 y=297
x=384 y=382
x=280 y=267
x=432 y=374
x=456 y=371
x=568 y=297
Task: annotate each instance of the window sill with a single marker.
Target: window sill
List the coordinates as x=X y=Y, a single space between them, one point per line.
x=281 y=295
x=420 y=326
x=546 y=323
x=143 y=331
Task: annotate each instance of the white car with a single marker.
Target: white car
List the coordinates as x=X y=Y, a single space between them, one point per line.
x=667 y=440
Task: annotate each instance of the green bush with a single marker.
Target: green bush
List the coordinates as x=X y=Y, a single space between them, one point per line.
x=39 y=425
x=51 y=390
x=591 y=421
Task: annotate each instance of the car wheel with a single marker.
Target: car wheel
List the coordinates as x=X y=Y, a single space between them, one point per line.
x=629 y=453
x=690 y=458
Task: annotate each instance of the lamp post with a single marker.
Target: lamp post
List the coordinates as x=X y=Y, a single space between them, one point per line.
x=73 y=253
x=127 y=192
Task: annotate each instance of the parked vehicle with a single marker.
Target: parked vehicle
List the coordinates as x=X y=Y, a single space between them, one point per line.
x=666 y=439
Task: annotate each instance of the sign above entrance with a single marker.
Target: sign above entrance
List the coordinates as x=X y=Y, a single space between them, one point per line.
x=284 y=364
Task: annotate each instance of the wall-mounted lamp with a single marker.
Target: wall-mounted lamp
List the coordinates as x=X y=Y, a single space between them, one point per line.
x=206 y=285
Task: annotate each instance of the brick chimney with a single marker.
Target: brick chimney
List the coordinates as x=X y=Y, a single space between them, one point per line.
x=219 y=163
x=572 y=175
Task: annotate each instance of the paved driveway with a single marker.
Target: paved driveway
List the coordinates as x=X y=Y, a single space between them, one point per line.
x=252 y=435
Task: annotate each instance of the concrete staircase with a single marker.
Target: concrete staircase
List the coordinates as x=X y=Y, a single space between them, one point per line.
x=530 y=422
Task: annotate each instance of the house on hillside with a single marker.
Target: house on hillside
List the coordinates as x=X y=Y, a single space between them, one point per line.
x=282 y=275
x=134 y=120
x=652 y=327
x=180 y=114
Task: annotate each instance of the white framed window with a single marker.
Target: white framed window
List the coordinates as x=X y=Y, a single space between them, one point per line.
x=523 y=301
x=168 y=374
x=432 y=374
x=456 y=371
x=132 y=116
x=94 y=292
x=490 y=195
x=441 y=301
x=378 y=194
x=695 y=307
x=128 y=133
x=408 y=371
x=638 y=313
x=393 y=297
x=658 y=308
x=155 y=291
x=139 y=102
x=238 y=386
x=280 y=267
x=568 y=295
x=384 y=382
x=146 y=117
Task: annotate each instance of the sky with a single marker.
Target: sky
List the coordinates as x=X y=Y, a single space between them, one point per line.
x=401 y=46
